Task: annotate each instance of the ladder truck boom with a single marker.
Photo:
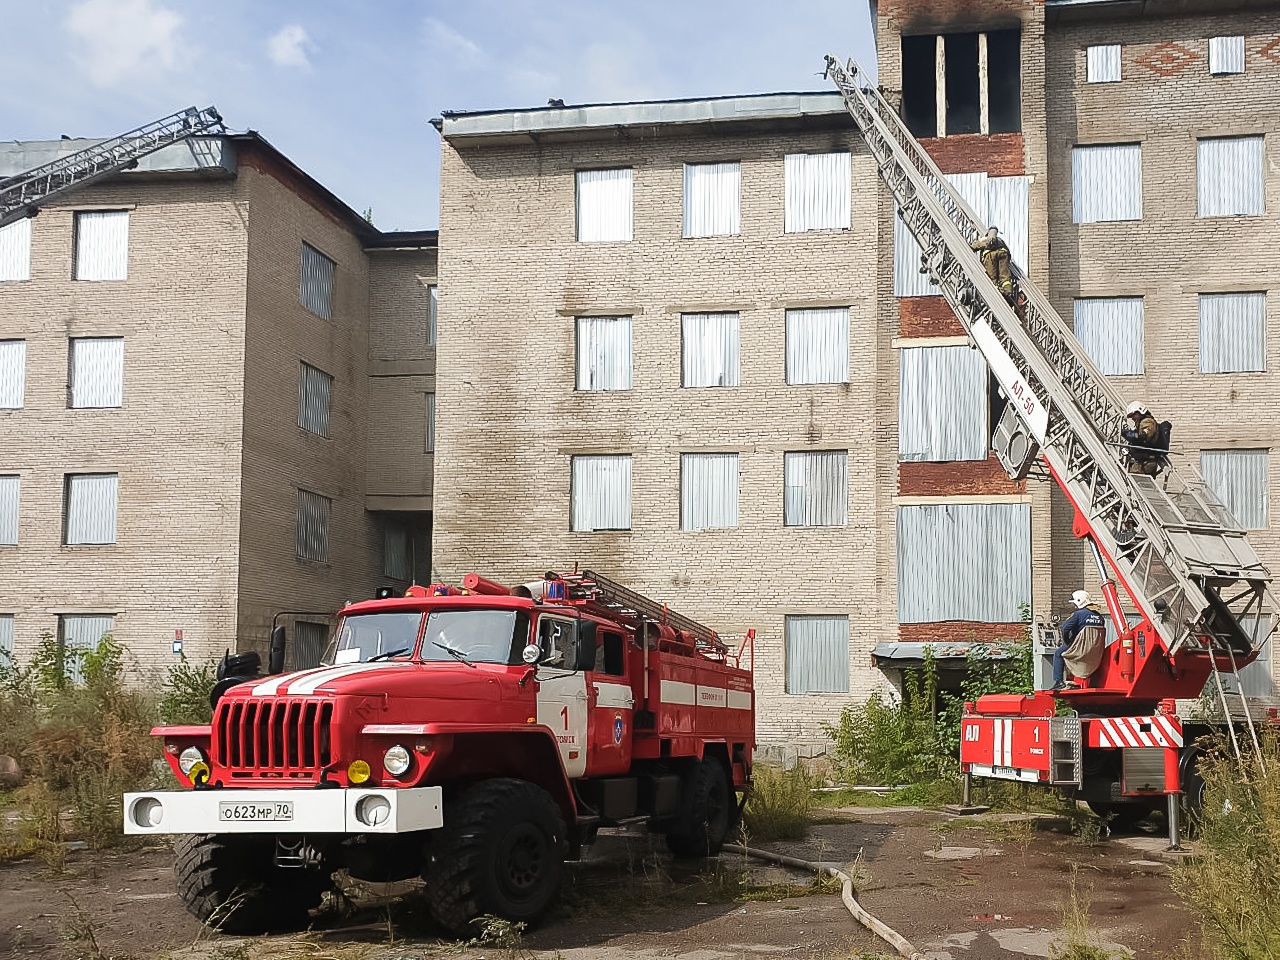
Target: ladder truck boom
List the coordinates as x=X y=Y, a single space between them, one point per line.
x=23 y=195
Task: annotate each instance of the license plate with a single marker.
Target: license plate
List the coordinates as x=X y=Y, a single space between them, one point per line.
x=231 y=811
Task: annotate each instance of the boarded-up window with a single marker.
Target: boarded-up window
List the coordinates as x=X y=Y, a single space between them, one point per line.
x=431 y=423
x=395 y=551
x=314 y=390
x=1102 y=64
x=13 y=374
x=817 y=654
x=433 y=312
x=1233 y=332
x=15 y=250
x=604 y=205
x=818 y=345
x=6 y=640
x=1106 y=183
x=102 y=245
x=97 y=372
x=604 y=353
x=1229 y=176
x=10 y=486
x=316 y=290
x=708 y=490
x=90 y=513
x=968 y=561
x=711 y=199
x=818 y=191
x=942 y=406
x=309 y=642
x=1111 y=330
x=1226 y=55
x=816 y=489
x=312 y=534
x=600 y=493
x=1239 y=478
x=1256 y=679
x=79 y=634
x=1007 y=208
x=709 y=349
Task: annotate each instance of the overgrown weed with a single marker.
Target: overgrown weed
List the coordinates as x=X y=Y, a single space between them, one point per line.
x=1079 y=941
x=779 y=805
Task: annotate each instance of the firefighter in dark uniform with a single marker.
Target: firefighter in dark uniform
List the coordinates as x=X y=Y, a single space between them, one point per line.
x=1142 y=434
x=1087 y=615
x=994 y=253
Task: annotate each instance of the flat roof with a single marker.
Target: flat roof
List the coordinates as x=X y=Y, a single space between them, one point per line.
x=209 y=156
x=584 y=118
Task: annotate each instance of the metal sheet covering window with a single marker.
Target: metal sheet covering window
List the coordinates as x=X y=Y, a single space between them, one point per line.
x=817 y=654
x=102 y=245
x=97 y=372
x=1111 y=331
x=6 y=640
x=819 y=191
x=1007 y=208
x=604 y=353
x=604 y=205
x=1239 y=478
x=1106 y=183
x=709 y=349
x=10 y=487
x=1102 y=63
x=708 y=491
x=1256 y=679
x=818 y=345
x=13 y=374
x=15 y=250
x=964 y=561
x=77 y=634
x=312 y=534
x=309 y=642
x=600 y=493
x=1229 y=177
x=90 y=515
x=942 y=406
x=816 y=489
x=712 y=194
x=431 y=423
x=316 y=290
x=395 y=551
x=433 y=312
x=1233 y=332
x=315 y=388
x=1226 y=55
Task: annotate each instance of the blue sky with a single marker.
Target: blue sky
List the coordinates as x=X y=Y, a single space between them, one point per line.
x=346 y=88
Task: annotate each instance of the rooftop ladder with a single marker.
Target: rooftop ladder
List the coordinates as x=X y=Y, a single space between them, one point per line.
x=22 y=196
x=1193 y=573
x=630 y=607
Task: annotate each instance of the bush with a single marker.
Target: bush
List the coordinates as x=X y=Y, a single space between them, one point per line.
x=185 y=697
x=778 y=805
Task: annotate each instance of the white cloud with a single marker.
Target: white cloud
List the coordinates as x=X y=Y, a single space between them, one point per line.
x=290 y=46
x=124 y=41
x=450 y=41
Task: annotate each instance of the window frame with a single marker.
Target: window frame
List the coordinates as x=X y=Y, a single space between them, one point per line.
x=322 y=522
x=790 y=620
x=1102 y=63
x=578 y=211
x=1217 y=50
x=841 y=456
x=11 y=497
x=68 y=485
x=1212 y=200
x=578 y=385
x=687 y=506
x=324 y=287
x=1204 y=298
x=80 y=218
x=314 y=421
x=15 y=248
x=1083 y=207
x=574 y=483
x=1107 y=370
x=18 y=391
x=731 y=348
x=1246 y=521
x=693 y=184
x=800 y=183
x=791 y=346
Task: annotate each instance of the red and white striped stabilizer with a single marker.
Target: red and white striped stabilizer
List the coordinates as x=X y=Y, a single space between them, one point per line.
x=1157 y=731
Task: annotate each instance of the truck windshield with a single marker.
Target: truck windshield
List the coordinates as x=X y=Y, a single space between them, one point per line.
x=474 y=636
x=368 y=635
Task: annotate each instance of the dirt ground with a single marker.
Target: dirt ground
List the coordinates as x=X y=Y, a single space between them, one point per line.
x=988 y=888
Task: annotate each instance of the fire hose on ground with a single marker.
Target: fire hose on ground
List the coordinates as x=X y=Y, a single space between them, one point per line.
x=884 y=932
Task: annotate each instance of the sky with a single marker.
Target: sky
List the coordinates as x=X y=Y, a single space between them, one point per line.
x=347 y=89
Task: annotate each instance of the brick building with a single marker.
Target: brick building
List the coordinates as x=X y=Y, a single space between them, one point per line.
x=215 y=389
x=694 y=349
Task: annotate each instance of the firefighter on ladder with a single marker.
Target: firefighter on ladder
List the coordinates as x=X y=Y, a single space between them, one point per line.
x=994 y=253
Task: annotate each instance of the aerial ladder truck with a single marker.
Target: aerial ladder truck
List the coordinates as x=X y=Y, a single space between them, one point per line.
x=23 y=195
x=1201 y=597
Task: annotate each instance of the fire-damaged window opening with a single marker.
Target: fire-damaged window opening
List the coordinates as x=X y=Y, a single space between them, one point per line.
x=962 y=83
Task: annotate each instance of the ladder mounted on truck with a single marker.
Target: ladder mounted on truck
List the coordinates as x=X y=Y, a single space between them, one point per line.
x=1184 y=561
x=23 y=195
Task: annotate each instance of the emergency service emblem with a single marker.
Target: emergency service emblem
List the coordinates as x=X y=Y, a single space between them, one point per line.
x=618 y=727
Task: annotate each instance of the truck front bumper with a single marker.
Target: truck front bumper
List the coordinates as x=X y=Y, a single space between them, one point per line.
x=345 y=810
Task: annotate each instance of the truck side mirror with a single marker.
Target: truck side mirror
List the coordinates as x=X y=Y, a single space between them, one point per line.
x=275 y=657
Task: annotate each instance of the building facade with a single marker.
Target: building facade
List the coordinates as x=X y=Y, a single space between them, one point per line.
x=190 y=354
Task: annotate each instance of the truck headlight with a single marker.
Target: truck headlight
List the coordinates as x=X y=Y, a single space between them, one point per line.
x=397 y=761
x=147 y=812
x=373 y=810
x=188 y=758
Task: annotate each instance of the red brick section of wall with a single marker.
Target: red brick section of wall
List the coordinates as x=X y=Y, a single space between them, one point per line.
x=999 y=155
x=927 y=317
x=956 y=479
x=960 y=631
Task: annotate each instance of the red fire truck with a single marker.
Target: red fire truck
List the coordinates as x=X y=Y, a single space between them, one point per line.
x=477 y=736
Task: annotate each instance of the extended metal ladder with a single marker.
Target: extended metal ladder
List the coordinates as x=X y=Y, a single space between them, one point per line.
x=632 y=608
x=22 y=196
x=1195 y=575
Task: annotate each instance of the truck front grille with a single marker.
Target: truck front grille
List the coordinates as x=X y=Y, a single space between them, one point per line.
x=277 y=737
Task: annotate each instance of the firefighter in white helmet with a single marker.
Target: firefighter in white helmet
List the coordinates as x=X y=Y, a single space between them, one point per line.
x=1087 y=614
x=1142 y=435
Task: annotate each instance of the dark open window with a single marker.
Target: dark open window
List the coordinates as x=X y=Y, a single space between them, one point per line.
x=973 y=100
x=920 y=85
x=1004 y=80
x=964 y=99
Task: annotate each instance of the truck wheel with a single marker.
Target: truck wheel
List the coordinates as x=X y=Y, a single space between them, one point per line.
x=1122 y=816
x=707 y=813
x=500 y=852
x=232 y=884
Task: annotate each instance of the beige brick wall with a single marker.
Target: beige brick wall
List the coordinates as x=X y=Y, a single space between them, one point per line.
x=512 y=280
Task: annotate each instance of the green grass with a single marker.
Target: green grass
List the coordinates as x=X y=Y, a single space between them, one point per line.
x=779 y=805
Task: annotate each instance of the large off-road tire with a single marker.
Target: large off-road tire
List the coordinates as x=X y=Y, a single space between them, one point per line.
x=1122 y=816
x=500 y=852
x=231 y=883
x=706 y=813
